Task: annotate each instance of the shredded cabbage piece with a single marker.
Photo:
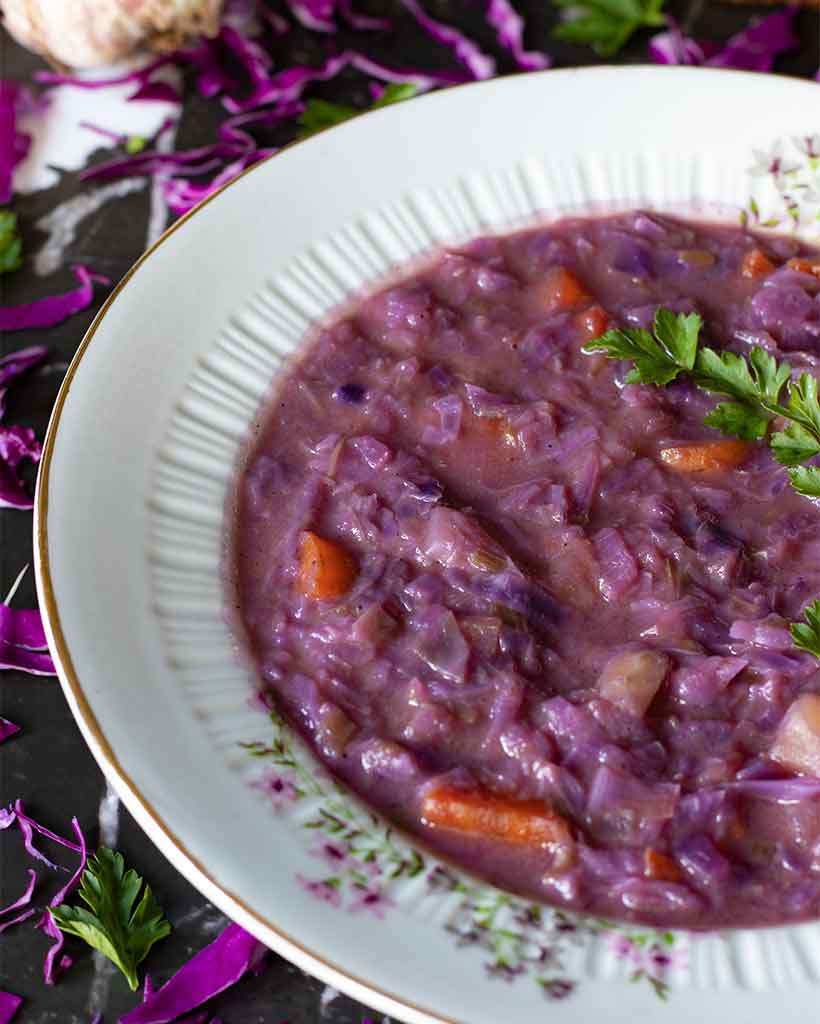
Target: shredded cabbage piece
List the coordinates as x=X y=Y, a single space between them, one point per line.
x=146 y=88
x=25 y=899
x=754 y=49
x=320 y=15
x=55 y=961
x=479 y=64
x=9 y=1004
x=509 y=29
x=7 y=730
x=15 y=99
x=216 y=967
x=54 y=308
x=15 y=363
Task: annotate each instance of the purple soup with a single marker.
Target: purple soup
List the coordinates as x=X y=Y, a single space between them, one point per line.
x=474 y=569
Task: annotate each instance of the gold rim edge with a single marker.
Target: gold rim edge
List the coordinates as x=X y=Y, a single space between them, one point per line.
x=69 y=681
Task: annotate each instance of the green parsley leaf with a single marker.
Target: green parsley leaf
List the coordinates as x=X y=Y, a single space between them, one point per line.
x=738 y=420
x=803 y=405
x=321 y=114
x=806 y=635
x=806 y=480
x=659 y=359
x=395 y=92
x=678 y=335
x=760 y=379
x=11 y=245
x=653 y=365
x=794 y=445
x=770 y=376
x=112 y=925
x=724 y=373
x=606 y=25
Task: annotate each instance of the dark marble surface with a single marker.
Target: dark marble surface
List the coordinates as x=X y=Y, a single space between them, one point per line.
x=48 y=765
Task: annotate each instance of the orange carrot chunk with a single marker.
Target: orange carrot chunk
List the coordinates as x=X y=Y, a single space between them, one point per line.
x=592 y=322
x=478 y=813
x=325 y=568
x=657 y=865
x=706 y=455
x=756 y=264
x=562 y=290
x=496 y=429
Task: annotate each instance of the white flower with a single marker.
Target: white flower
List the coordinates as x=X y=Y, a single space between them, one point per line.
x=772 y=163
x=808 y=144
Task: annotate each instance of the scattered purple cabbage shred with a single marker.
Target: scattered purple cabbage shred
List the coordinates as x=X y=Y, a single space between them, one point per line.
x=53 y=309
x=9 y=1005
x=216 y=967
x=755 y=48
x=7 y=729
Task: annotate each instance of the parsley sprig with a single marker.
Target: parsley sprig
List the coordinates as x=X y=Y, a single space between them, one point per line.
x=756 y=388
x=10 y=243
x=320 y=114
x=112 y=924
x=759 y=388
x=606 y=25
x=806 y=635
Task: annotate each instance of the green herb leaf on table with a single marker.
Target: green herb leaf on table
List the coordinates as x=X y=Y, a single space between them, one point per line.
x=606 y=25
x=11 y=245
x=113 y=925
x=135 y=144
x=395 y=92
x=320 y=114
x=806 y=635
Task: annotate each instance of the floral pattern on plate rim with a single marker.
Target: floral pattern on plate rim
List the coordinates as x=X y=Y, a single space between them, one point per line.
x=789 y=172
x=360 y=860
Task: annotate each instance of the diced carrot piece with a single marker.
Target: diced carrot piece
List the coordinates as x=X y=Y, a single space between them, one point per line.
x=706 y=455
x=756 y=264
x=561 y=290
x=592 y=322
x=498 y=428
x=804 y=266
x=657 y=865
x=325 y=568
x=478 y=813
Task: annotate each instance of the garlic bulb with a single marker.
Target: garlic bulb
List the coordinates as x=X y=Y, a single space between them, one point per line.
x=86 y=33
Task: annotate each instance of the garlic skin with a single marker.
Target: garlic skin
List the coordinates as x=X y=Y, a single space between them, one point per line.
x=88 y=33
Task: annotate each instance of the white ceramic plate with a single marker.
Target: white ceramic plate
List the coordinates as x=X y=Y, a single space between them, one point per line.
x=130 y=526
